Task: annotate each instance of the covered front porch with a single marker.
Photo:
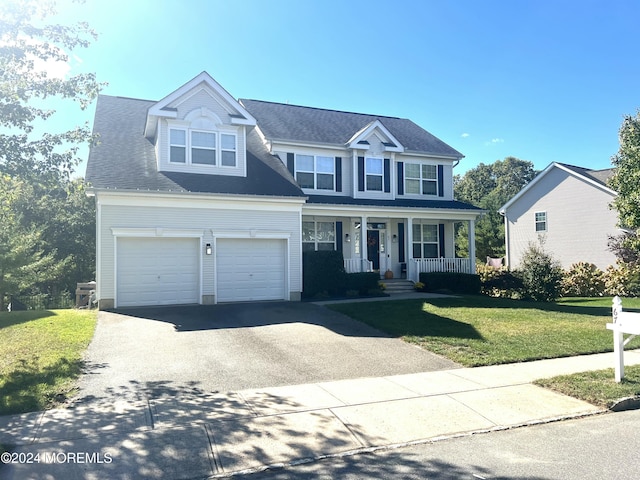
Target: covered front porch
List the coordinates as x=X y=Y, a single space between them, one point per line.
x=403 y=243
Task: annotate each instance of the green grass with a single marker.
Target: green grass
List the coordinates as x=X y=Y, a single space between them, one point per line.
x=479 y=330
x=41 y=357
x=598 y=387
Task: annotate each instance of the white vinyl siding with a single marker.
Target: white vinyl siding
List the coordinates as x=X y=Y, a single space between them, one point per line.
x=582 y=221
x=209 y=218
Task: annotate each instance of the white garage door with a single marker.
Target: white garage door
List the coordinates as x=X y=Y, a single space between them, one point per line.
x=158 y=271
x=251 y=269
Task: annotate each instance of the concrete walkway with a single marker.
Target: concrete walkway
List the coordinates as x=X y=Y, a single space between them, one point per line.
x=219 y=434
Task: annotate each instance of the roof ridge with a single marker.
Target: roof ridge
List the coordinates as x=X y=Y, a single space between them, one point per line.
x=126 y=98
x=323 y=109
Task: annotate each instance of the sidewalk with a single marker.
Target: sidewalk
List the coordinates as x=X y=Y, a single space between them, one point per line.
x=219 y=434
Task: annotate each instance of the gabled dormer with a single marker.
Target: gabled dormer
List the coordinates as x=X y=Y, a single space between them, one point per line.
x=383 y=140
x=200 y=128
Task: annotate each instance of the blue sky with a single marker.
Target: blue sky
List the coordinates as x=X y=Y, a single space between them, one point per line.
x=539 y=80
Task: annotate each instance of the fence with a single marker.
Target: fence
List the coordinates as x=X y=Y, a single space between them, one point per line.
x=40 y=302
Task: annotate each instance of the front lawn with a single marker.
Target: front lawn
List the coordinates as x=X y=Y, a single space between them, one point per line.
x=479 y=330
x=41 y=357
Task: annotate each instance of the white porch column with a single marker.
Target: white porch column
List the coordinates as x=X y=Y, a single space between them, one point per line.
x=363 y=242
x=411 y=273
x=472 y=245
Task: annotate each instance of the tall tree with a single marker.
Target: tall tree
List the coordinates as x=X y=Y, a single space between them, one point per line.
x=27 y=42
x=626 y=181
x=489 y=187
x=46 y=234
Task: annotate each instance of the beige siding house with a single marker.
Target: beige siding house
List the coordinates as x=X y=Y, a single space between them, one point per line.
x=202 y=198
x=567 y=207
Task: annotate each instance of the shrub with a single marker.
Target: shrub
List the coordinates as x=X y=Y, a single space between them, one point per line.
x=583 y=280
x=418 y=286
x=504 y=284
x=323 y=273
x=452 y=282
x=623 y=280
x=363 y=282
x=541 y=274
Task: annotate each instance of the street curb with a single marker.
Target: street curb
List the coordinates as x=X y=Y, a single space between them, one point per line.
x=382 y=448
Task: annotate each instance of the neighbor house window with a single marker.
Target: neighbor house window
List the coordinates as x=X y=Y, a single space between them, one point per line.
x=420 y=179
x=318 y=236
x=425 y=241
x=200 y=147
x=315 y=171
x=541 y=221
x=374 y=174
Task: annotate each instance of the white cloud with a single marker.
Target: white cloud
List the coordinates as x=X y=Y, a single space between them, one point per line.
x=464 y=135
x=494 y=141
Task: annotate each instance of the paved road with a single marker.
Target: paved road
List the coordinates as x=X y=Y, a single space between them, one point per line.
x=604 y=447
x=234 y=347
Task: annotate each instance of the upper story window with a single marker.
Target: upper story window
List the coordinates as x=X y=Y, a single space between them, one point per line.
x=421 y=179
x=315 y=171
x=541 y=221
x=199 y=147
x=374 y=174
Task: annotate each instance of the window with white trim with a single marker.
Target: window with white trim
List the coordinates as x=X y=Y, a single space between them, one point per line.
x=374 y=174
x=200 y=147
x=541 y=221
x=420 y=179
x=426 y=243
x=316 y=171
x=318 y=236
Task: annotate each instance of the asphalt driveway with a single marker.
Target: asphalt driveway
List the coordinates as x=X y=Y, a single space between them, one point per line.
x=143 y=353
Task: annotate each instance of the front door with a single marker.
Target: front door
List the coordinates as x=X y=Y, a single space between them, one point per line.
x=373 y=248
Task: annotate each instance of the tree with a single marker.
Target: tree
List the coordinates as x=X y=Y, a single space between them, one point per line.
x=26 y=40
x=626 y=181
x=489 y=187
x=47 y=224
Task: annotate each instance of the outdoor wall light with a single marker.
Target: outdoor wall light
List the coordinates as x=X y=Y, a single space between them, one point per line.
x=207 y=249
x=347 y=238
x=394 y=239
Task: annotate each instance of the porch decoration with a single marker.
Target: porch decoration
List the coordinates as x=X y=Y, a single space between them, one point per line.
x=388 y=274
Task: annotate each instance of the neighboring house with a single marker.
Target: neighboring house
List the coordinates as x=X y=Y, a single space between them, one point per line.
x=568 y=207
x=202 y=198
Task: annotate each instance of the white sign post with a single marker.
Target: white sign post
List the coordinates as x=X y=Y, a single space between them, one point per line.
x=623 y=322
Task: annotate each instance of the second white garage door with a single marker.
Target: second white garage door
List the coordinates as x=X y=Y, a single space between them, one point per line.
x=251 y=269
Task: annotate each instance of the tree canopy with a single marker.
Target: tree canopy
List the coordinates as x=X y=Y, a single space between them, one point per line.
x=47 y=223
x=626 y=181
x=489 y=187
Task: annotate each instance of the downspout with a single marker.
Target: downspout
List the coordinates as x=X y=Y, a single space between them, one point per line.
x=506 y=238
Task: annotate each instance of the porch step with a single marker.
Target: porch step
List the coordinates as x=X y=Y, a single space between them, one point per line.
x=397 y=286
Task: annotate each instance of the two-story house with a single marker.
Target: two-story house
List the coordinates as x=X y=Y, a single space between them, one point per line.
x=202 y=198
x=568 y=209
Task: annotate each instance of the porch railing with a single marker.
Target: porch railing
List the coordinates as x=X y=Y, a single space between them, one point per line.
x=357 y=265
x=428 y=265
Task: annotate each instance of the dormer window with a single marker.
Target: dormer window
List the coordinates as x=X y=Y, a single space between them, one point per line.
x=199 y=147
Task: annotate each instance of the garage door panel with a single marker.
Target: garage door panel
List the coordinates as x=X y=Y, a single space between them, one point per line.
x=251 y=269
x=158 y=271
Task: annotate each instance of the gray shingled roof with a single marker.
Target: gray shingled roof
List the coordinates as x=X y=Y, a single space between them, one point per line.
x=124 y=159
x=315 y=125
x=600 y=176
